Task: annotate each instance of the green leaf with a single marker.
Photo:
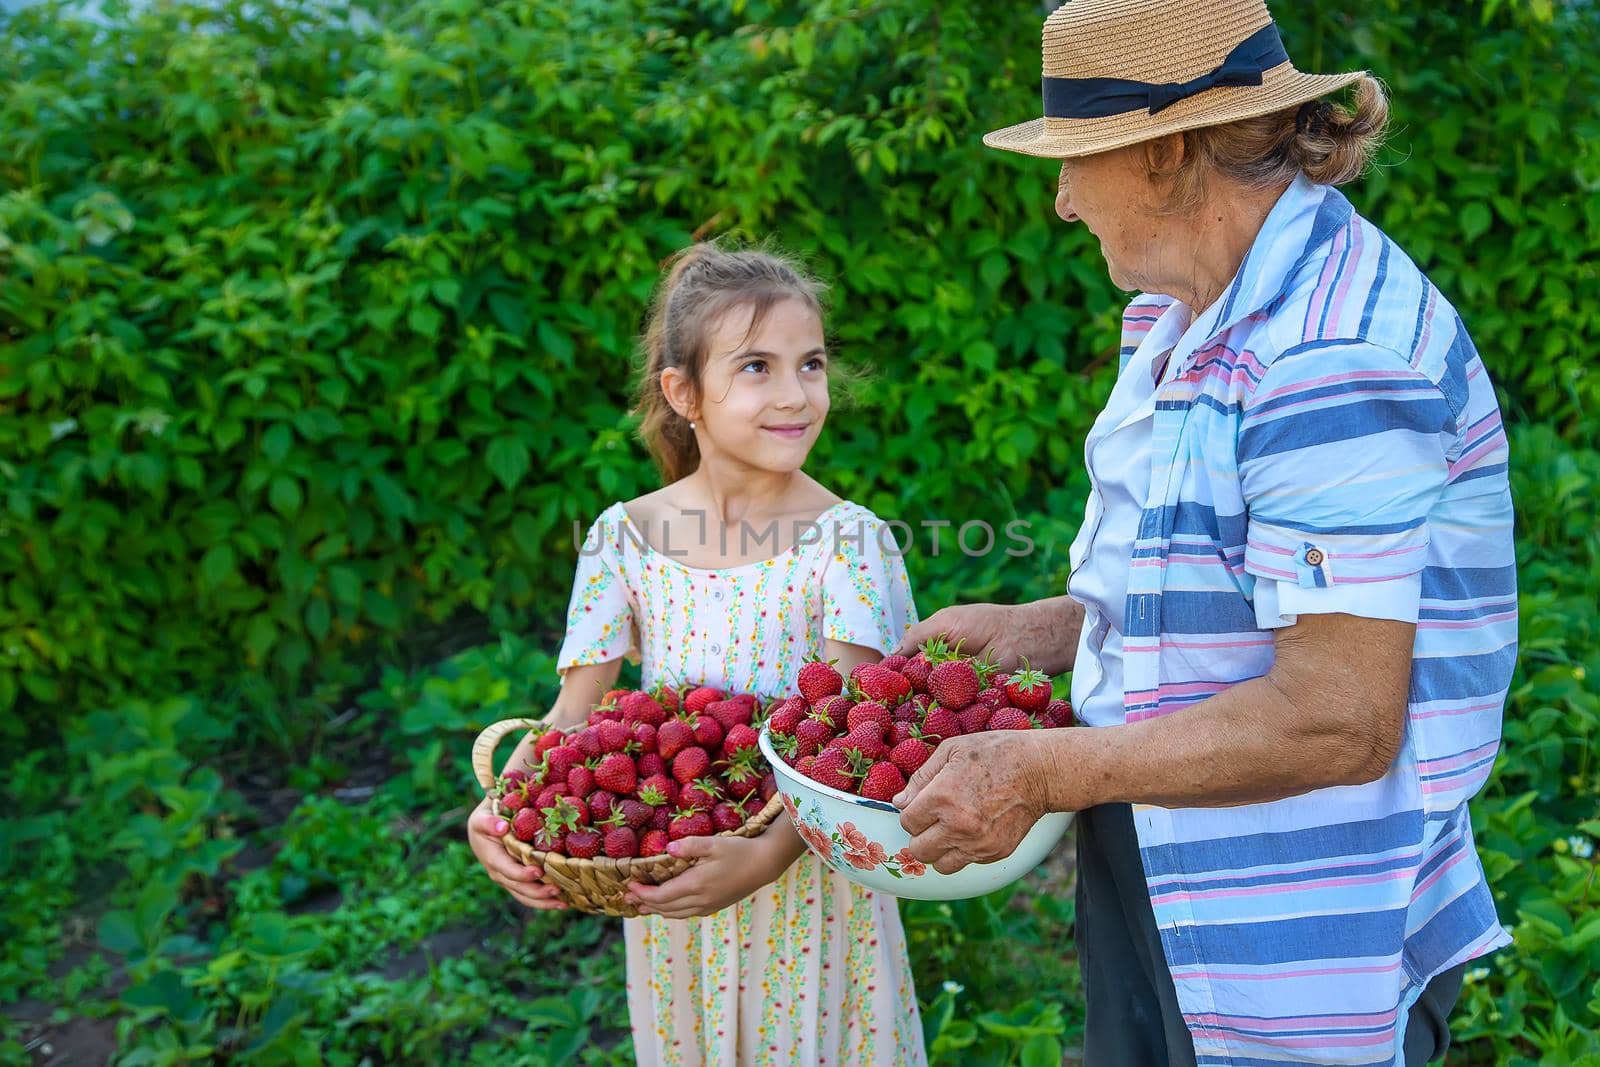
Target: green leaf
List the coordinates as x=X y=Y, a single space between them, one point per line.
x=277 y=442
x=217 y=565
x=1475 y=219
x=284 y=495
x=508 y=459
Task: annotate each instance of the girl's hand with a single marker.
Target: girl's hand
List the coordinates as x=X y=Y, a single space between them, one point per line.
x=728 y=870
x=484 y=829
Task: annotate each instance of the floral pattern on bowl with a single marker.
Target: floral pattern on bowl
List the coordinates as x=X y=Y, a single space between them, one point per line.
x=846 y=844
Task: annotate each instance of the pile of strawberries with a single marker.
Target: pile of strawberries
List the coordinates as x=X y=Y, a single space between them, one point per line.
x=646 y=769
x=868 y=735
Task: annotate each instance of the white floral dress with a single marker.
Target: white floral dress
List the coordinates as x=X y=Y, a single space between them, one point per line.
x=812 y=969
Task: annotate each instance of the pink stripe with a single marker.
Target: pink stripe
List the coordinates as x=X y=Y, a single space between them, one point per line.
x=1194 y=687
x=1217 y=644
x=1279 y=871
x=1278 y=976
x=1436 y=766
x=1329 y=401
x=1270 y=572
x=1427 y=321
x=1348 y=277
x=1329 y=272
x=1444 y=712
x=1296 y=1022
x=1260 y=546
x=1331 y=379
x=1470 y=459
x=1423 y=887
x=1465 y=624
x=1285 y=887
x=1342 y=1041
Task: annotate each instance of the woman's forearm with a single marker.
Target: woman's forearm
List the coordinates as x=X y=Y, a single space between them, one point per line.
x=1050 y=627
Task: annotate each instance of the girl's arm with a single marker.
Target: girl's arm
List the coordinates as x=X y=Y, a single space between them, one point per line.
x=731 y=868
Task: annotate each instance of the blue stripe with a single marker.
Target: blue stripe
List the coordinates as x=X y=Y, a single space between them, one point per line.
x=1468 y=583
x=1278 y=941
x=1409 y=384
x=1350 y=422
x=1343 y=841
x=1462 y=677
x=1377 y=286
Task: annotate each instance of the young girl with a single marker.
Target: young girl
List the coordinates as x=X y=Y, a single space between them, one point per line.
x=733 y=575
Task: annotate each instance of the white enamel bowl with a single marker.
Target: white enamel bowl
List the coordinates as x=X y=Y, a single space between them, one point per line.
x=863 y=840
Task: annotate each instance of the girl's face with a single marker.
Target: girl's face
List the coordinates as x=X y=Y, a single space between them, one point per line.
x=763 y=395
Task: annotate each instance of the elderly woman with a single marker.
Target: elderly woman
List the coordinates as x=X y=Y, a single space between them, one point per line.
x=1291 y=616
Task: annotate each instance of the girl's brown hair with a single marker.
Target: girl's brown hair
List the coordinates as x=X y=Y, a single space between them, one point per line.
x=704 y=283
x=1329 y=143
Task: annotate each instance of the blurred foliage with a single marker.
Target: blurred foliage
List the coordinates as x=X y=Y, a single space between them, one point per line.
x=315 y=335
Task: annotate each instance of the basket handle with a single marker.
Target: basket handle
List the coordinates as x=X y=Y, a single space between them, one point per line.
x=483 y=748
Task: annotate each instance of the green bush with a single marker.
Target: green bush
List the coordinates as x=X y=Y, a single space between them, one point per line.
x=317 y=334
x=316 y=342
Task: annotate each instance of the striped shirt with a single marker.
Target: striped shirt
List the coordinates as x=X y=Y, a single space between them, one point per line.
x=1331 y=433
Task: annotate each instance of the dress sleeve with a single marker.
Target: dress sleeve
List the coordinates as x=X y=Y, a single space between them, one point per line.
x=866 y=592
x=1343 y=452
x=601 y=623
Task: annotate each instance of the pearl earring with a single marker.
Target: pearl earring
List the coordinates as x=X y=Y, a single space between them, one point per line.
x=691 y=424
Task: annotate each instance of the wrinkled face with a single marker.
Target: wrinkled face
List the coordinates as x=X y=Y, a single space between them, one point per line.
x=764 y=395
x=1112 y=195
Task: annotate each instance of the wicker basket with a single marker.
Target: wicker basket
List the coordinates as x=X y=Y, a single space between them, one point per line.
x=596 y=886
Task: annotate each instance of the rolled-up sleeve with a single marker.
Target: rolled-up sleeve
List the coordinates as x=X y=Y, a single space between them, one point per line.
x=1343 y=451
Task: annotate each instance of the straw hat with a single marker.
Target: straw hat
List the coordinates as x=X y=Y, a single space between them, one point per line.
x=1117 y=72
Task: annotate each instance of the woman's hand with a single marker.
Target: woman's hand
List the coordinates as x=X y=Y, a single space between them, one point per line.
x=1045 y=632
x=484 y=828
x=727 y=870
x=977 y=797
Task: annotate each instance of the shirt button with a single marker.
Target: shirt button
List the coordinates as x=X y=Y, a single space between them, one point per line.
x=716 y=650
x=716 y=594
x=1315 y=556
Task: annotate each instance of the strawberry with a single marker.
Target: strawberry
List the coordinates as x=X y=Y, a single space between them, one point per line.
x=742 y=774
x=836 y=710
x=905 y=711
x=916 y=671
x=707 y=732
x=587 y=742
x=661 y=820
x=974 y=718
x=868 y=711
x=659 y=790
x=804 y=765
x=954 y=683
x=1058 y=713
x=740 y=738
x=1010 y=719
x=818 y=680
x=651 y=764
x=702 y=698
x=686 y=823
x=515 y=799
x=644 y=738
x=910 y=754
x=701 y=794
x=883 y=782
x=993 y=699
x=673 y=736
x=668 y=697
x=653 y=843
x=900 y=731
x=751 y=806
x=787 y=716
x=1028 y=689
x=621 y=842
x=941 y=724
x=812 y=733
x=786 y=746
x=513 y=779
x=769 y=786
x=550 y=794
x=527 y=824
x=581 y=780
x=730 y=713
x=894 y=663
x=867 y=739
x=690 y=764
x=602 y=805
x=922 y=702
x=831 y=768
x=726 y=817
x=642 y=708
x=883 y=685
x=613 y=698
x=635 y=813
x=583 y=844
x=550 y=738
x=614 y=736
x=560 y=760
x=617 y=774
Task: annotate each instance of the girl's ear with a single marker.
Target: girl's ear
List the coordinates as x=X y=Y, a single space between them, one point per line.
x=679 y=391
